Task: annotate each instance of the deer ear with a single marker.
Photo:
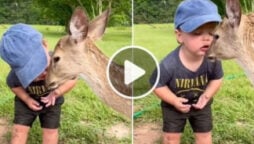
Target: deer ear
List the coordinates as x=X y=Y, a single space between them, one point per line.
x=78 y=26
x=97 y=26
x=233 y=12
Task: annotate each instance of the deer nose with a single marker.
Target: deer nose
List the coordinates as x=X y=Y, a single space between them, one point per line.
x=211 y=57
x=52 y=86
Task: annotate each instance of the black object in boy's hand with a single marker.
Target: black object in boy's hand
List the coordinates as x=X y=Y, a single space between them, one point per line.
x=38 y=99
x=191 y=101
x=192 y=98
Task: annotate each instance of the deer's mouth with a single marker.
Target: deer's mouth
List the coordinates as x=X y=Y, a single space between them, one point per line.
x=52 y=86
x=55 y=84
x=212 y=58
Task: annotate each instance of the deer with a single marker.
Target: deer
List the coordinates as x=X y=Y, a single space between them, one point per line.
x=235 y=38
x=76 y=54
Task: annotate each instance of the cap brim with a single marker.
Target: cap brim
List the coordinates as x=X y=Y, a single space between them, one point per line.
x=194 y=23
x=33 y=68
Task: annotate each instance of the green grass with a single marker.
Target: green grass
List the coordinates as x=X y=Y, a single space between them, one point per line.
x=233 y=105
x=85 y=118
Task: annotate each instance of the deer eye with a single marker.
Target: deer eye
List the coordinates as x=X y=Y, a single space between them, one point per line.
x=216 y=36
x=56 y=59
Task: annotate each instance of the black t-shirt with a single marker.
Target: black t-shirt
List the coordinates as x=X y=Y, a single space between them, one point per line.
x=35 y=90
x=183 y=82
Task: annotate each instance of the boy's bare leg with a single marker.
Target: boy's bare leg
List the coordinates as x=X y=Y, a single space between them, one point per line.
x=171 y=138
x=203 y=138
x=50 y=136
x=19 y=134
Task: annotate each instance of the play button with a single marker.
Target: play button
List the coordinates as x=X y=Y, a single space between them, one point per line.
x=132 y=72
x=129 y=71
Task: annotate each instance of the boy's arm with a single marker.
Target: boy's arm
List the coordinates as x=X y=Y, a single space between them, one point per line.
x=165 y=94
x=30 y=102
x=210 y=91
x=62 y=89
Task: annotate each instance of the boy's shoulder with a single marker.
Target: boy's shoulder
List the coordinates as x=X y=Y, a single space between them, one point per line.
x=213 y=62
x=171 y=60
x=12 y=80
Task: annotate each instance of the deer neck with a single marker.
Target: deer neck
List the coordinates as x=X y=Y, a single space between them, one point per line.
x=94 y=66
x=93 y=71
x=248 y=66
x=246 y=56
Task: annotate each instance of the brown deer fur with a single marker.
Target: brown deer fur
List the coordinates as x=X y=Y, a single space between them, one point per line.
x=77 y=54
x=236 y=33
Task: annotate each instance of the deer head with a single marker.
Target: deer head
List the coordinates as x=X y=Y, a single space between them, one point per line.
x=74 y=52
x=228 y=45
x=77 y=54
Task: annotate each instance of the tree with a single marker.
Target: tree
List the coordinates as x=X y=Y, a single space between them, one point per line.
x=61 y=10
x=58 y=12
x=19 y=11
x=154 y=11
x=247 y=6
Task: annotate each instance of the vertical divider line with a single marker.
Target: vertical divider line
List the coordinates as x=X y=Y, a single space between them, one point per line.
x=132 y=22
x=132 y=44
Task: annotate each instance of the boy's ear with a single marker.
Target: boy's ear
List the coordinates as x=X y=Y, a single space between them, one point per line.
x=178 y=34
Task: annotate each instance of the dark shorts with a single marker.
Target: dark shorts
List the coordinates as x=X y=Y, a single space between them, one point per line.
x=175 y=121
x=49 y=117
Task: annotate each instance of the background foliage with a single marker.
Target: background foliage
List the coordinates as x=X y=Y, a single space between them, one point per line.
x=247 y=6
x=58 y=12
x=154 y=11
x=162 y=11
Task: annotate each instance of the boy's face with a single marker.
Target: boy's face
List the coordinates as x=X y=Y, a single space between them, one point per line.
x=42 y=76
x=45 y=45
x=197 y=42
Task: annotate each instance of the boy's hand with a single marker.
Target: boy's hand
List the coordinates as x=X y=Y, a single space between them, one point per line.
x=202 y=101
x=51 y=98
x=33 y=104
x=178 y=104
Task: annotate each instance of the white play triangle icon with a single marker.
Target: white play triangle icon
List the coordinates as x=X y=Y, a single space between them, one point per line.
x=132 y=72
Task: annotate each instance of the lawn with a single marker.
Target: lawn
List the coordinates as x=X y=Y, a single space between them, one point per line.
x=233 y=105
x=85 y=119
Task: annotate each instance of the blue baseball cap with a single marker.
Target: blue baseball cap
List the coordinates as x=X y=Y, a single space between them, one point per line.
x=21 y=47
x=192 y=14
